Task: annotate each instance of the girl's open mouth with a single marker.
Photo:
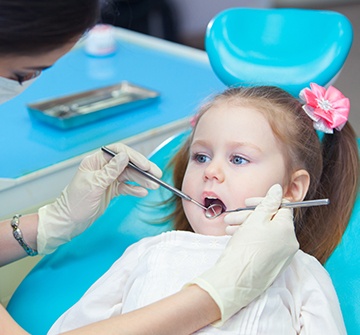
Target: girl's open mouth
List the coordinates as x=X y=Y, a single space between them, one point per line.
x=214 y=206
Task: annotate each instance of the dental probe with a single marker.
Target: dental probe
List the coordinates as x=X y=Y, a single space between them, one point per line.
x=295 y=204
x=157 y=180
x=214 y=210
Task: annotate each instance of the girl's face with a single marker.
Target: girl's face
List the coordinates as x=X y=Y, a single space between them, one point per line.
x=234 y=155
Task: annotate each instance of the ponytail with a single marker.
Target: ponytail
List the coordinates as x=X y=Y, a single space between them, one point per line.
x=320 y=229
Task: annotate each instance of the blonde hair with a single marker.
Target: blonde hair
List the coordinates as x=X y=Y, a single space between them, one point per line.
x=332 y=163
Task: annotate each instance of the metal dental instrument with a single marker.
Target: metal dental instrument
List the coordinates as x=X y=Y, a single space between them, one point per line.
x=157 y=180
x=214 y=210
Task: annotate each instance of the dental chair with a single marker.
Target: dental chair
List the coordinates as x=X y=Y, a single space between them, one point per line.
x=245 y=46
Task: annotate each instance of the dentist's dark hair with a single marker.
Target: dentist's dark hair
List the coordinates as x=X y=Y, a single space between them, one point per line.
x=332 y=163
x=30 y=27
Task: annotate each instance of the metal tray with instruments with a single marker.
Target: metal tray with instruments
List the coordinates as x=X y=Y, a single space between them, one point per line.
x=89 y=106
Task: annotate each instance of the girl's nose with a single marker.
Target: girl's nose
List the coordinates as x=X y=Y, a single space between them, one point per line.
x=214 y=171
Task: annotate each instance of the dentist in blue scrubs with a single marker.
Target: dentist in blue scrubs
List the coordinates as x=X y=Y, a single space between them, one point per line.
x=34 y=34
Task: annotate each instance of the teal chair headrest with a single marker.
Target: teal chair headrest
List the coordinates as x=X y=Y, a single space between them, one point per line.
x=288 y=48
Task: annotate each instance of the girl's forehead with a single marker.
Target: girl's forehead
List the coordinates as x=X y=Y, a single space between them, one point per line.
x=234 y=123
x=231 y=112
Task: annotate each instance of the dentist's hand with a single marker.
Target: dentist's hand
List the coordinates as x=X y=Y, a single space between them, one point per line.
x=99 y=178
x=261 y=248
x=235 y=219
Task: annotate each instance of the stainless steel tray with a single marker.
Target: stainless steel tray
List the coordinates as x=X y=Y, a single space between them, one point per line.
x=89 y=106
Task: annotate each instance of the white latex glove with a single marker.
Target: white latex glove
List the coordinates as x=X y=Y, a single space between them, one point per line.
x=99 y=178
x=238 y=218
x=261 y=248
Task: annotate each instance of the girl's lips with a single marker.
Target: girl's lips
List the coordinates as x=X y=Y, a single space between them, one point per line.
x=208 y=194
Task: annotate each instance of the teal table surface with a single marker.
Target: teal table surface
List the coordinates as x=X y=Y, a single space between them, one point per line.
x=27 y=145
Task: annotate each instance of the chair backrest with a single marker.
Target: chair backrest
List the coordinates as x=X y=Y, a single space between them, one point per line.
x=288 y=48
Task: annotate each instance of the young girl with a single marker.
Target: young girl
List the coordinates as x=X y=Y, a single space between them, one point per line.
x=243 y=142
x=328 y=166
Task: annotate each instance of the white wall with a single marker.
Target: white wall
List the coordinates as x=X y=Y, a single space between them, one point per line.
x=194 y=15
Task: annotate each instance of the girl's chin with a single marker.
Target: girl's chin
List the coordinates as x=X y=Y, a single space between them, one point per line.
x=212 y=231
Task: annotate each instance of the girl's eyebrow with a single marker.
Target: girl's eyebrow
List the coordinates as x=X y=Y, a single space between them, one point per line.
x=246 y=144
x=234 y=144
x=199 y=142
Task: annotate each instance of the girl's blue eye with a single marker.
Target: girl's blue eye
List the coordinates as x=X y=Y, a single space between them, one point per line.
x=201 y=158
x=238 y=160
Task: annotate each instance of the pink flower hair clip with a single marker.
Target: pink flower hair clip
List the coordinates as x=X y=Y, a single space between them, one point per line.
x=328 y=108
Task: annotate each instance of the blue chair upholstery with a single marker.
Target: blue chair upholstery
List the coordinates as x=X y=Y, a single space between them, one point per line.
x=288 y=48
x=61 y=278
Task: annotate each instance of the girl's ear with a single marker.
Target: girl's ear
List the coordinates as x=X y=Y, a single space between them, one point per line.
x=298 y=187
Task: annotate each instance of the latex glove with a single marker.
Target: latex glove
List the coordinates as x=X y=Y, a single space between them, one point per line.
x=99 y=178
x=258 y=252
x=238 y=218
